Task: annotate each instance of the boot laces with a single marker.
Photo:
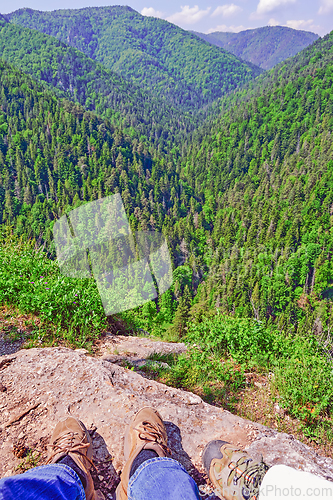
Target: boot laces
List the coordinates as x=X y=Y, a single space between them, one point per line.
x=149 y=431
x=252 y=474
x=65 y=444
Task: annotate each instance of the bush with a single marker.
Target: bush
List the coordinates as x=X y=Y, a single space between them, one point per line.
x=33 y=284
x=304 y=384
x=302 y=375
x=244 y=339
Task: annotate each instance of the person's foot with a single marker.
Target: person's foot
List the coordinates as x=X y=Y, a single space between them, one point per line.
x=145 y=432
x=70 y=438
x=233 y=473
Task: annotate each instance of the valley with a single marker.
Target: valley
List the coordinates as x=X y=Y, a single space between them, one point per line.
x=230 y=160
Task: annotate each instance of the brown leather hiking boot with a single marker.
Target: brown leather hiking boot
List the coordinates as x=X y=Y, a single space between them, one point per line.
x=234 y=474
x=70 y=437
x=145 y=432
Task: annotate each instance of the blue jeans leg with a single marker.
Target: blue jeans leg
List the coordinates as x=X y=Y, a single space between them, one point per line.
x=162 y=479
x=47 y=482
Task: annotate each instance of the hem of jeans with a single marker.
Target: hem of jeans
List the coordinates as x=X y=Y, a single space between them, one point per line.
x=70 y=471
x=145 y=464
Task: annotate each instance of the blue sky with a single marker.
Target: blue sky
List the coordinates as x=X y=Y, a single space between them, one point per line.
x=212 y=15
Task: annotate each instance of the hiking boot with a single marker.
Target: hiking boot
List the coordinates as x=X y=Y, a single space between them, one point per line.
x=71 y=438
x=145 y=432
x=233 y=473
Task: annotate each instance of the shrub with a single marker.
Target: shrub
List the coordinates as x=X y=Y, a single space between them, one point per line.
x=244 y=339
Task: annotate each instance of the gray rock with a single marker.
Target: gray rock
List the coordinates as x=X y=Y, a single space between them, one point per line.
x=44 y=385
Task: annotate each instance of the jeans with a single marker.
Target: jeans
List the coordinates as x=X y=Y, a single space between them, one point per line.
x=47 y=482
x=161 y=479
x=155 y=479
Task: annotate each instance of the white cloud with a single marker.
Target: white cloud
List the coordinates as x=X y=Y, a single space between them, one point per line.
x=302 y=25
x=273 y=22
x=326 y=7
x=224 y=27
x=188 y=15
x=150 y=11
x=266 y=6
x=227 y=10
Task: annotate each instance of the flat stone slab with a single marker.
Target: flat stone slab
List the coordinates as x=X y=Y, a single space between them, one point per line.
x=135 y=350
x=40 y=386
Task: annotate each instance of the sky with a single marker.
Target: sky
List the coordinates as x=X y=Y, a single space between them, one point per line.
x=207 y=16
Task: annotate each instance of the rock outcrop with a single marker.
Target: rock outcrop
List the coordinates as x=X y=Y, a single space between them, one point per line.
x=40 y=386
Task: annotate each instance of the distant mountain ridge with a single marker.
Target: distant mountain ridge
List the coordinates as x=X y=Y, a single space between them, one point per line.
x=265 y=47
x=79 y=78
x=152 y=53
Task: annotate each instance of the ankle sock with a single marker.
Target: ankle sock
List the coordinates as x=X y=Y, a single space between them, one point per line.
x=142 y=457
x=67 y=460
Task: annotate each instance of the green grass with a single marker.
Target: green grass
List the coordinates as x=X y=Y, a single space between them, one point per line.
x=68 y=309
x=30 y=461
x=222 y=349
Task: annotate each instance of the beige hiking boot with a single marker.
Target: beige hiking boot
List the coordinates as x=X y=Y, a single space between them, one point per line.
x=234 y=474
x=145 y=432
x=70 y=437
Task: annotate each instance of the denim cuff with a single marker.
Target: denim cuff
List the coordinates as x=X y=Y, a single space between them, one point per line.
x=45 y=482
x=162 y=478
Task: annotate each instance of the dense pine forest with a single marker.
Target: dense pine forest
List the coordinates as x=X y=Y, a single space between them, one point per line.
x=233 y=165
x=264 y=180
x=180 y=68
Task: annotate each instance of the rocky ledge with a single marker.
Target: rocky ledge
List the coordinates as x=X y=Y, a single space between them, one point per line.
x=40 y=386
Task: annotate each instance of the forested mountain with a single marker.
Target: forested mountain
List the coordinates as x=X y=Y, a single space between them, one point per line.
x=152 y=53
x=264 y=181
x=245 y=200
x=247 y=211
x=265 y=47
x=81 y=79
x=53 y=154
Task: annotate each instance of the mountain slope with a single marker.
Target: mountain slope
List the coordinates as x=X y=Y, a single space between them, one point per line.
x=55 y=155
x=264 y=178
x=75 y=76
x=264 y=47
x=248 y=210
x=150 y=52
x=251 y=198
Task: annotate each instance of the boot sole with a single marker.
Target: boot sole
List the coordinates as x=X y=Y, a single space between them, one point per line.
x=212 y=451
